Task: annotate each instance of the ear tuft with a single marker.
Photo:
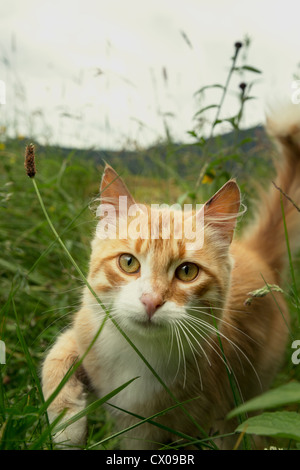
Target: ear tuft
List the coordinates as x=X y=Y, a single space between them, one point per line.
x=112 y=187
x=222 y=209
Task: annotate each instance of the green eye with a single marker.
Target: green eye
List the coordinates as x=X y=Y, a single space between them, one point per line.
x=129 y=263
x=187 y=272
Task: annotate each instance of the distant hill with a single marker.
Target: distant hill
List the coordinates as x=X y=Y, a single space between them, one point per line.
x=247 y=147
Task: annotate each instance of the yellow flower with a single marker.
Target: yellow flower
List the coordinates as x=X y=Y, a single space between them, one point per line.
x=208 y=177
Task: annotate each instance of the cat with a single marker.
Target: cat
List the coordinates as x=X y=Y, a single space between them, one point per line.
x=187 y=333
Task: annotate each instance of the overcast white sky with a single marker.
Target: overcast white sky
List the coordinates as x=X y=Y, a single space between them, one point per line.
x=102 y=73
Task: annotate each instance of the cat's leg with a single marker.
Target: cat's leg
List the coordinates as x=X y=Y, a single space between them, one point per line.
x=72 y=396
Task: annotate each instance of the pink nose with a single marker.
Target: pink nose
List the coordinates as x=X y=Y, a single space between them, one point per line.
x=152 y=302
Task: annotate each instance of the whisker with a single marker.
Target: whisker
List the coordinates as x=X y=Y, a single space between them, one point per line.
x=55 y=309
x=206 y=325
x=65 y=291
x=222 y=321
x=200 y=346
x=219 y=308
x=215 y=330
x=225 y=362
x=192 y=347
x=171 y=341
x=204 y=339
x=179 y=350
x=184 y=358
x=183 y=354
x=50 y=324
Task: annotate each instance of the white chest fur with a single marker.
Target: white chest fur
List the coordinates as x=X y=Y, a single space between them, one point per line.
x=120 y=363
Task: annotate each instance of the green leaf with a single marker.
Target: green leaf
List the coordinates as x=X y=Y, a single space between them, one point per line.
x=284 y=424
x=217 y=121
x=216 y=85
x=206 y=108
x=284 y=395
x=249 y=68
x=232 y=121
x=193 y=134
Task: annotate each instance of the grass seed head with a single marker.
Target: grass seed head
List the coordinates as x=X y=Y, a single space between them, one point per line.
x=238 y=45
x=30 y=161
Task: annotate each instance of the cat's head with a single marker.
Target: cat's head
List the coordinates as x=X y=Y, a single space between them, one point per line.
x=151 y=281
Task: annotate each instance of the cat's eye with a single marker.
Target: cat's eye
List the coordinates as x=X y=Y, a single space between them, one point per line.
x=187 y=272
x=129 y=263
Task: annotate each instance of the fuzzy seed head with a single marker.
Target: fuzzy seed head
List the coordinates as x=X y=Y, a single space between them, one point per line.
x=30 y=161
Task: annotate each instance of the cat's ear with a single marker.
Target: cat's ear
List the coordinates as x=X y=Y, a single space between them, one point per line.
x=112 y=187
x=222 y=209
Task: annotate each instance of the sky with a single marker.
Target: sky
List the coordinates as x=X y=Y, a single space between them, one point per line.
x=114 y=74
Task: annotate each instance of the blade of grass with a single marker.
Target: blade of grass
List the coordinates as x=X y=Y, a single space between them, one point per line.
x=30 y=363
x=40 y=441
x=93 y=406
x=150 y=420
x=27 y=354
x=290 y=259
x=234 y=388
x=49 y=248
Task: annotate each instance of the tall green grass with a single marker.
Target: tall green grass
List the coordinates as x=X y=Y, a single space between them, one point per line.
x=45 y=232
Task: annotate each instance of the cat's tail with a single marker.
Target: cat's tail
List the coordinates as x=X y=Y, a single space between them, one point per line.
x=268 y=236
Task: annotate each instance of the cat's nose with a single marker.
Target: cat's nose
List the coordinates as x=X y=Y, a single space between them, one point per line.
x=152 y=302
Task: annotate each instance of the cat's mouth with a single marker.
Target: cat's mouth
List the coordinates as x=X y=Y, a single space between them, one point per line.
x=149 y=324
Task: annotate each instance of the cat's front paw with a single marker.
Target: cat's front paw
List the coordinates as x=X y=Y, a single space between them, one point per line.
x=73 y=436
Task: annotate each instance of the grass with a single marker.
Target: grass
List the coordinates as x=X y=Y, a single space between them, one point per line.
x=45 y=233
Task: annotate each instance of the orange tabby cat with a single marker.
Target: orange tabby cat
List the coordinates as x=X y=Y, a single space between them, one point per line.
x=176 y=305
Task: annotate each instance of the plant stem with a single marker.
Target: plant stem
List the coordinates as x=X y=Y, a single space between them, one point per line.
x=225 y=89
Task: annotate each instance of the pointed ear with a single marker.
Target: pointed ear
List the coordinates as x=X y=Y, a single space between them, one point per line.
x=112 y=187
x=222 y=209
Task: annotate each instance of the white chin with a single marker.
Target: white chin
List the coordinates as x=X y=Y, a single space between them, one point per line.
x=145 y=326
